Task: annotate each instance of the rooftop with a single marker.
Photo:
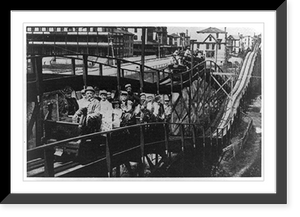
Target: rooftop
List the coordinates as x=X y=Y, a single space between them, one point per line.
x=174 y=35
x=235 y=37
x=211 y=30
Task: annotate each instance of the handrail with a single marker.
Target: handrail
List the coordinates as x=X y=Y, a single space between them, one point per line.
x=91 y=135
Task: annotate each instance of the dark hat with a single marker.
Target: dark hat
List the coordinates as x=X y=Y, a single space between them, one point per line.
x=89 y=88
x=116 y=102
x=103 y=92
x=67 y=89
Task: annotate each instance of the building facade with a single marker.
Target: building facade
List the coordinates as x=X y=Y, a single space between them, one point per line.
x=234 y=45
x=247 y=42
x=155 y=40
x=93 y=40
x=212 y=43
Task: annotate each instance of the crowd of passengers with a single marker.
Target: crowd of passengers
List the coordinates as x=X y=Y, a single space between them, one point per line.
x=183 y=56
x=106 y=111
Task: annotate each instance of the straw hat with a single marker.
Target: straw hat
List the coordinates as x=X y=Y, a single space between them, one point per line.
x=127 y=85
x=89 y=88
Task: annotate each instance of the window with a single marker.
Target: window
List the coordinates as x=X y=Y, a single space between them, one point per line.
x=209 y=38
x=213 y=46
x=29 y=29
x=207 y=46
x=217 y=35
x=135 y=30
x=219 y=46
x=210 y=54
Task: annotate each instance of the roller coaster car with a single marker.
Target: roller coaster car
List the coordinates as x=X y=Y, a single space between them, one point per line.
x=178 y=68
x=81 y=149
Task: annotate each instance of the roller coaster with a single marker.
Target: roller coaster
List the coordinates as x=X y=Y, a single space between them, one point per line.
x=206 y=105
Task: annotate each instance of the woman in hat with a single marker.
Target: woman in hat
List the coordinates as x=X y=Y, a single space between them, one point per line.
x=117 y=114
x=106 y=111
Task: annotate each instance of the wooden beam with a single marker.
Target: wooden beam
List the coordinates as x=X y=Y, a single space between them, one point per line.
x=85 y=70
x=73 y=66
x=49 y=162
x=100 y=69
x=142 y=60
x=119 y=76
x=37 y=67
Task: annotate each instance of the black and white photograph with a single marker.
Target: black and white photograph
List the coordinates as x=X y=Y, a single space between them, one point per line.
x=143 y=101
x=147 y=107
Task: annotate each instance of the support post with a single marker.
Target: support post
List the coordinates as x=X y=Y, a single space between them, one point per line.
x=182 y=137
x=73 y=66
x=157 y=81
x=108 y=155
x=100 y=69
x=209 y=91
x=119 y=76
x=48 y=162
x=166 y=128
x=142 y=146
x=142 y=60
x=85 y=70
x=37 y=67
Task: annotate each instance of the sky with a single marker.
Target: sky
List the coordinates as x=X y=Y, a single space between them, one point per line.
x=247 y=29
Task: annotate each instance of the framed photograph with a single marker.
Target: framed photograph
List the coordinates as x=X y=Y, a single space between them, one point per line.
x=175 y=107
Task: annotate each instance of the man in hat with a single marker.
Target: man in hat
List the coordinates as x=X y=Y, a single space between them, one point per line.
x=109 y=97
x=132 y=96
x=92 y=110
x=158 y=109
x=83 y=102
x=105 y=111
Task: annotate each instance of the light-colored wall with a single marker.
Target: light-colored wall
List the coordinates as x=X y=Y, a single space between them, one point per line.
x=219 y=56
